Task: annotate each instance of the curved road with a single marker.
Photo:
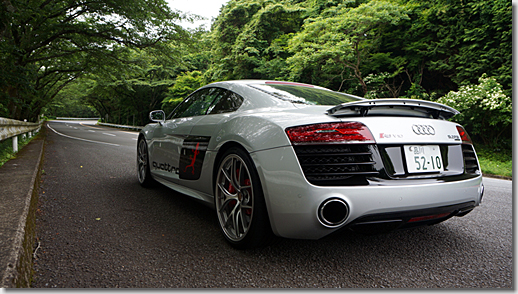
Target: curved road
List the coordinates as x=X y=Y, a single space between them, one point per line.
x=98 y=228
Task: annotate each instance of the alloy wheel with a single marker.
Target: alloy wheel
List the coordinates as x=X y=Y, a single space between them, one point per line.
x=234 y=197
x=142 y=161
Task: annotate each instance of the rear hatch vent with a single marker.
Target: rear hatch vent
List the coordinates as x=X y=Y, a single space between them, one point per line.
x=470 y=160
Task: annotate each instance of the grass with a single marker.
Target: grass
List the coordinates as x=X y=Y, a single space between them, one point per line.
x=6 y=148
x=495 y=161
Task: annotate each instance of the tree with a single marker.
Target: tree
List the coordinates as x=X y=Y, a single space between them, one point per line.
x=184 y=85
x=47 y=44
x=128 y=94
x=333 y=48
x=447 y=44
x=250 y=38
x=69 y=102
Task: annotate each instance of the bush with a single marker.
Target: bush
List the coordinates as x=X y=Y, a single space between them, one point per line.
x=486 y=112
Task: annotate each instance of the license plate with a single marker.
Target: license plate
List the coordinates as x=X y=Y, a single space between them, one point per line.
x=423 y=158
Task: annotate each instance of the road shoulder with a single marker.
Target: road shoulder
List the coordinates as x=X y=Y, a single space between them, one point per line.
x=18 y=202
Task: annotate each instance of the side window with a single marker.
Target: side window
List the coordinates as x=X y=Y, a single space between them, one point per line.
x=196 y=104
x=227 y=101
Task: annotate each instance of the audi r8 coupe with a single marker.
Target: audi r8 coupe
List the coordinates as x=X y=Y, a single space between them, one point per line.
x=300 y=161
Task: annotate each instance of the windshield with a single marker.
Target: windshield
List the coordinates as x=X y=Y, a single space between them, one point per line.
x=305 y=94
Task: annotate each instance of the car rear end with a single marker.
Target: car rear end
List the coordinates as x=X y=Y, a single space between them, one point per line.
x=392 y=172
x=371 y=167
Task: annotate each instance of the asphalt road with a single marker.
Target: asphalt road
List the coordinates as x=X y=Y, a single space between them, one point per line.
x=98 y=228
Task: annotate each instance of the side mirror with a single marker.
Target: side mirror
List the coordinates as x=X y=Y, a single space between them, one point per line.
x=157 y=116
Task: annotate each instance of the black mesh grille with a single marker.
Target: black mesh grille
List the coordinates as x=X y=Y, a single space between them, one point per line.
x=335 y=162
x=470 y=160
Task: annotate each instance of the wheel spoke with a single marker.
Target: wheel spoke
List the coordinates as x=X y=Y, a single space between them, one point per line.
x=245 y=206
x=226 y=201
x=239 y=225
x=235 y=176
x=232 y=217
x=226 y=193
x=224 y=172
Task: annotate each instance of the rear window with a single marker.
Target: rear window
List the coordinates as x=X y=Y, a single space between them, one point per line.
x=304 y=94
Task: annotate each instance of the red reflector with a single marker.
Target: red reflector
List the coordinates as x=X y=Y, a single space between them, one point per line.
x=350 y=132
x=464 y=135
x=428 y=217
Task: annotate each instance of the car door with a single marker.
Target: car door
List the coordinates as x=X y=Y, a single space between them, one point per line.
x=173 y=134
x=195 y=145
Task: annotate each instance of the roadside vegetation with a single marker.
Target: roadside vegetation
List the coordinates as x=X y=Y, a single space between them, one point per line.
x=497 y=162
x=117 y=62
x=6 y=148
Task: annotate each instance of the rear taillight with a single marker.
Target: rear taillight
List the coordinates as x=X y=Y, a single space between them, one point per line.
x=464 y=135
x=349 y=132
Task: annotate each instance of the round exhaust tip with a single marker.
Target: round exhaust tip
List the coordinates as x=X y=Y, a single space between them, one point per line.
x=333 y=212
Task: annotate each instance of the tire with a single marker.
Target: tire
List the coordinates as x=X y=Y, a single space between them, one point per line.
x=239 y=202
x=143 y=170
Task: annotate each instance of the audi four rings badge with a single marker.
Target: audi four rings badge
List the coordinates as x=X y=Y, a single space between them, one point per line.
x=423 y=130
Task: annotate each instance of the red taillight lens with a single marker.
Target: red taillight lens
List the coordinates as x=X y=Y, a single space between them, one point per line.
x=350 y=132
x=464 y=135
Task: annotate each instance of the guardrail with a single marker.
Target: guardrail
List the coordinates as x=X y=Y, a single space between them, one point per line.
x=77 y=118
x=10 y=128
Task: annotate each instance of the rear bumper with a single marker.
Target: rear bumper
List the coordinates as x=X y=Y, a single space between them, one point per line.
x=376 y=223
x=293 y=203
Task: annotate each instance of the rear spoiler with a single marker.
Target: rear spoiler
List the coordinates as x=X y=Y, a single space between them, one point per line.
x=393 y=107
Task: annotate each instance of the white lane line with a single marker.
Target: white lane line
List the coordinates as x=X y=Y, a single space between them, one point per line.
x=91 y=131
x=86 y=125
x=81 y=138
x=108 y=134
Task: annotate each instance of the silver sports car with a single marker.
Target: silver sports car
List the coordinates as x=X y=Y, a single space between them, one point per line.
x=299 y=161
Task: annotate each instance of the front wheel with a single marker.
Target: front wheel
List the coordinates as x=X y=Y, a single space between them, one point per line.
x=239 y=202
x=143 y=170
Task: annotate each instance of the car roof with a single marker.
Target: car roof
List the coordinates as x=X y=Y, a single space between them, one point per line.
x=252 y=81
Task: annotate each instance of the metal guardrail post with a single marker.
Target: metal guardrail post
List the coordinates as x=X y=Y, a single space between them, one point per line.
x=15 y=144
x=10 y=128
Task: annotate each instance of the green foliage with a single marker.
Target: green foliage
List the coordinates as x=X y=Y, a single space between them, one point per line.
x=495 y=161
x=70 y=102
x=486 y=112
x=125 y=58
x=339 y=42
x=184 y=84
x=6 y=151
x=416 y=91
x=250 y=41
x=127 y=96
x=447 y=44
x=45 y=45
x=6 y=148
